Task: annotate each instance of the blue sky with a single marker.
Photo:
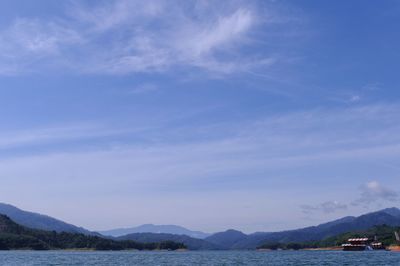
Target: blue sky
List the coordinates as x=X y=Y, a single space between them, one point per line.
x=254 y=115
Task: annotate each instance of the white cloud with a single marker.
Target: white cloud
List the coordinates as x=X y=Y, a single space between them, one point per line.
x=374 y=192
x=355 y=98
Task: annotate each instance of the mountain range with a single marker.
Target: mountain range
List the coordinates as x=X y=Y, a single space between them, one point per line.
x=230 y=239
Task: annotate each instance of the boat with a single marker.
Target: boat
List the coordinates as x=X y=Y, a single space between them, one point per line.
x=357 y=244
x=362 y=244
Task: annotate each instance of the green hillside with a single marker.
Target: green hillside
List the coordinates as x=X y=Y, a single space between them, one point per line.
x=384 y=234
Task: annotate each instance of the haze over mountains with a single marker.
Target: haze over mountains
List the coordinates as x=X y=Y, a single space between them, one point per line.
x=151 y=228
x=40 y=221
x=230 y=239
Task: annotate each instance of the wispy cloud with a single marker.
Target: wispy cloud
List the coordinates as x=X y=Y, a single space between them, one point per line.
x=29 y=43
x=122 y=37
x=144 y=88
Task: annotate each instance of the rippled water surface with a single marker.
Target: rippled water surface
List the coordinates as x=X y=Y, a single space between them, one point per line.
x=283 y=258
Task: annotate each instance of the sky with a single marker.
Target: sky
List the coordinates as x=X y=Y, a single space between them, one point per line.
x=253 y=115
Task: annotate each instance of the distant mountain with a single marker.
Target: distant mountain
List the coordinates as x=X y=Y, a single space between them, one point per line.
x=15 y=236
x=195 y=240
x=190 y=242
x=151 y=228
x=392 y=211
x=389 y=217
x=226 y=239
x=40 y=221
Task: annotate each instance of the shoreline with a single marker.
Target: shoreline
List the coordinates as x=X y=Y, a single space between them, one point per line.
x=94 y=250
x=326 y=248
x=394 y=248
x=303 y=249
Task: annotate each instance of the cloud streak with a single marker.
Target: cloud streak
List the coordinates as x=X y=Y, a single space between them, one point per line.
x=270 y=144
x=325 y=207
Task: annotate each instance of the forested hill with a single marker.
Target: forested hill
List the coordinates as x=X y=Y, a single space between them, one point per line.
x=227 y=239
x=383 y=233
x=15 y=236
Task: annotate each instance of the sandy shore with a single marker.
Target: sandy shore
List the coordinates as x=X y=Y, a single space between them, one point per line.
x=327 y=248
x=394 y=248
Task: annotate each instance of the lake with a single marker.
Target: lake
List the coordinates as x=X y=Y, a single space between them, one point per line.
x=283 y=258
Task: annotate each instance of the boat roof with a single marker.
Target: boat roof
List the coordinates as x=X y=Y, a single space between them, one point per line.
x=358 y=239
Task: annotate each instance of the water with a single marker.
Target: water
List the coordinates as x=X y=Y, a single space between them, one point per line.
x=283 y=258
